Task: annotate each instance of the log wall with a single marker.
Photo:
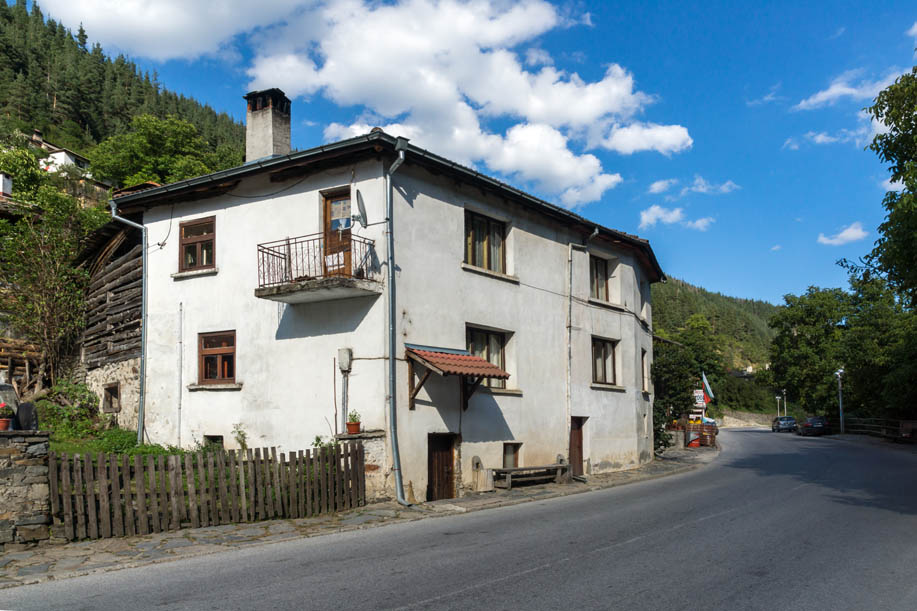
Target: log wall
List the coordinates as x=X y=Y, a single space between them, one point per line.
x=113 y=320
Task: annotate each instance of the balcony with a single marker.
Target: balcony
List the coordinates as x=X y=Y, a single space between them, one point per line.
x=318 y=267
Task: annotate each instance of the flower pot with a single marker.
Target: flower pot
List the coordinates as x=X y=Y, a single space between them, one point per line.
x=5 y=424
x=353 y=428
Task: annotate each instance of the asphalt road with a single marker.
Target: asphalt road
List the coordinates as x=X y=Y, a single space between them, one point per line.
x=777 y=522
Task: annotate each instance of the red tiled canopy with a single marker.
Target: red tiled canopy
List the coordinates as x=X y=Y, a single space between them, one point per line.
x=456 y=362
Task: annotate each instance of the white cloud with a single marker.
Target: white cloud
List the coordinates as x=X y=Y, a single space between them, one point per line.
x=888 y=185
x=445 y=68
x=168 y=29
x=860 y=136
x=838 y=33
x=776 y=247
x=822 y=138
x=668 y=216
x=661 y=186
x=790 y=143
x=538 y=57
x=700 y=185
x=700 y=224
x=770 y=96
x=848 y=85
x=657 y=214
x=665 y=139
x=913 y=30
x=851 y=233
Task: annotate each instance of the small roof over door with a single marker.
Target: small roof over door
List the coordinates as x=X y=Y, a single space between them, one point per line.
x=448 y=361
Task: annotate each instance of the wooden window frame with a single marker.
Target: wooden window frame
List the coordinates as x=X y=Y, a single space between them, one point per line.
x=218 y=352
x=608 y=349
x=489 y=382
x=109 y=398
x=594 y=264
x=197 y=240
x=491 y=225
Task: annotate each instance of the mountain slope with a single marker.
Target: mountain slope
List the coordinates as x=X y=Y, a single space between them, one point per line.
x=78 y=96
x=739 y=325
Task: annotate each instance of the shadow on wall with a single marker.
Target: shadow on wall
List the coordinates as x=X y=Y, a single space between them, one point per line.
x=483 y=421
x=856 y=475
x=321 y=318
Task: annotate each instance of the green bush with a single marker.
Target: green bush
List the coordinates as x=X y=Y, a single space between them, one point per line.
x=69 y=411
x=117 y=441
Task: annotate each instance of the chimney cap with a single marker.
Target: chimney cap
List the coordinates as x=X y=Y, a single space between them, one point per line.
x=273 y=92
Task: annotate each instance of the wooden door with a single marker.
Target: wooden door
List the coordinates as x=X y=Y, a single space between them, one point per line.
x=337 y=252
x=576 y=445
x=441 y=466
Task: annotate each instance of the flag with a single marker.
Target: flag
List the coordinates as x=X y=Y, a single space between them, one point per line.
x=708 y=393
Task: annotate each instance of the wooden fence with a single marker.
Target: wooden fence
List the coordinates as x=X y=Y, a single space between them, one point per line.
x=115 y=495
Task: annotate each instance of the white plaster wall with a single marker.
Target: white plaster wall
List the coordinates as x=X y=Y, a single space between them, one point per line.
x=437 y=298
x=284 y=354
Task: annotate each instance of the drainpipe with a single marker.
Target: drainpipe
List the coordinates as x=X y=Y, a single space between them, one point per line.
x=569 y=394
x=400 y=146
x=143 y=321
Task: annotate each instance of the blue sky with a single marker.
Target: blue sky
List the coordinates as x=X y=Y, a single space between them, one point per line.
x=729 y=135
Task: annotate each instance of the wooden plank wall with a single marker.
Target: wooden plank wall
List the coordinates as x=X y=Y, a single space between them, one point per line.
x=114 y=305
x=117 y=495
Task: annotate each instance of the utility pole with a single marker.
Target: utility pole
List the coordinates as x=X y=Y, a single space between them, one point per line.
x=778 y=405
x=784 y=402
x=840 y=397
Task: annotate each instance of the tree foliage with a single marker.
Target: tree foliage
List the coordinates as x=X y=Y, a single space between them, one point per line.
x=43 y=292
x=895 y=251
x=158 y=150
x=78 y=96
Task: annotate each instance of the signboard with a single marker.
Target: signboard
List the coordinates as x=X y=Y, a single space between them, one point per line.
x=699 y=398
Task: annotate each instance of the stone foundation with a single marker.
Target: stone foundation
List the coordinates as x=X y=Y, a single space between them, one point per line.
x=127 y=375
x=378 y=486
x=25 y=496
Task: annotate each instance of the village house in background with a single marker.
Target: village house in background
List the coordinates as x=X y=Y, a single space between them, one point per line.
x=522 y=331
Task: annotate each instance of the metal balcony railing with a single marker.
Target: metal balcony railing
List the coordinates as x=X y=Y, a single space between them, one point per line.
x=314 y=257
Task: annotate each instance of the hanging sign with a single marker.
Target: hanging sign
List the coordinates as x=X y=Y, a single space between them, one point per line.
x=699 y=398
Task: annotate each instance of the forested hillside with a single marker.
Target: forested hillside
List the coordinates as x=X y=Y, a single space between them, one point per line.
x=742 y=335
x=78 y=96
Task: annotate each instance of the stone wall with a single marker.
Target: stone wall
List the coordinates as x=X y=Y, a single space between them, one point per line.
x=378 y=486
x=25 y=497
x=127 y=375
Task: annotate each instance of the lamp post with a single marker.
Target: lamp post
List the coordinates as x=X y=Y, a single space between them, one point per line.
x=840 y=397
x=778 y=405
x=784 y=402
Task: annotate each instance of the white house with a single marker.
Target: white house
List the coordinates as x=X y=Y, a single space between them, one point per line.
x=522 y=332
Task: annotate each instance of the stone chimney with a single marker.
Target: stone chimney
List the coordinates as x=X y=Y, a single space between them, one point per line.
x=267 y=124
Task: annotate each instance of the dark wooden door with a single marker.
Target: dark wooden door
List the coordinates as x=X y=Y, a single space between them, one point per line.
x=441 y=466
x=337 y=252
x=576 y=445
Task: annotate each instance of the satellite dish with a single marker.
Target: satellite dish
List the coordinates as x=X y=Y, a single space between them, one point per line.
x=360 y=217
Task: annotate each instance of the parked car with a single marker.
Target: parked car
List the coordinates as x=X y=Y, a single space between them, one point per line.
x=816 y=425
x=783 y=423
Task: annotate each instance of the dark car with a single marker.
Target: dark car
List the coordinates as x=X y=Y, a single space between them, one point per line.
x=783 y=423
x=816 y=425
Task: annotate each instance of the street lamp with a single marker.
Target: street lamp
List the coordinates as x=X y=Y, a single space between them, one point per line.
x=840 y=397
x=784 y=402
x=778 y=405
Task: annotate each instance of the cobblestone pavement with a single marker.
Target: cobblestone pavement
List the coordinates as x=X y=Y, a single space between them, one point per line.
x=25 y=566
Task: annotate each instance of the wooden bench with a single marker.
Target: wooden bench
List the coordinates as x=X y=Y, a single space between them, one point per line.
x=504 y=478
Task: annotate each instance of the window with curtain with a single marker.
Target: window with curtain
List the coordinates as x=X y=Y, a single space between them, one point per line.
x=485 y=244
x=603 y=361
x=490 y=346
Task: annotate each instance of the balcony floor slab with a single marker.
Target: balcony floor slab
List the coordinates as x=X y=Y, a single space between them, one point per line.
x=320 y=289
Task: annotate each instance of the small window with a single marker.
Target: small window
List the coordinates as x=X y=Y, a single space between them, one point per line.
x=603 y=361
x=213 y=442
x=111 y=398
x=485 y=242
x=196 y=245
x=598 y=274
x=217 y=363
x=645 y=363
x=511 y=455
x=490 y=346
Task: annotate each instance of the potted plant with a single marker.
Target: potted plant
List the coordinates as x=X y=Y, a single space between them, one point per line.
x=7 y=414
x=353 y=423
